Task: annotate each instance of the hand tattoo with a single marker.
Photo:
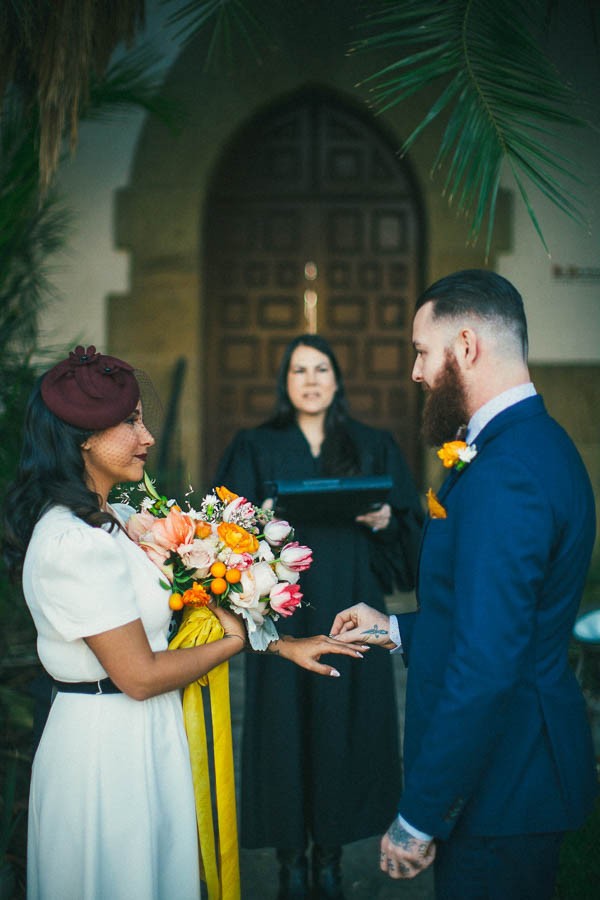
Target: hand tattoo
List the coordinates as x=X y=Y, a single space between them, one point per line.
x=375 y=631
x=401 y=838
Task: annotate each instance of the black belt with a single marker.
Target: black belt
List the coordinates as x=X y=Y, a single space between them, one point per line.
x=103 y=686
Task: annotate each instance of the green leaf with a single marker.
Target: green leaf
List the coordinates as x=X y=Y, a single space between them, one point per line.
x=229 y=25
x=499 y=90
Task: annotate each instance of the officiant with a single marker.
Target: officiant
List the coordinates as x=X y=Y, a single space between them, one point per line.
x=320 y=755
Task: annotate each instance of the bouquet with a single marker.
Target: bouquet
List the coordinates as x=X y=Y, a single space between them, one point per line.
x=227 y=551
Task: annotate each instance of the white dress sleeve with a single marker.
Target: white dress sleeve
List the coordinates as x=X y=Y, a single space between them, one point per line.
x=81 y=583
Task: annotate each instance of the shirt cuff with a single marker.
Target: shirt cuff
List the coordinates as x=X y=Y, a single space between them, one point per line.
x=414 y=832
x=395 y=634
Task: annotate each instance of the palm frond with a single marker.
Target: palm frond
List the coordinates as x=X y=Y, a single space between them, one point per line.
x=134 y=82
x=48 y=50
x=30 y=232
x=231 y=26
x=34 y=225
x=498 y=90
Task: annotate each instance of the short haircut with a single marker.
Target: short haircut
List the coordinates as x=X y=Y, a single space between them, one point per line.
x=484 y=295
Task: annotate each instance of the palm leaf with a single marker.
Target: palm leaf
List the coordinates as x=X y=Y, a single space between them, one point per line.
x=132 y=83
x=499 y=90
x=49 y=49
x=34 y=226
x=30 y=231
x=229 y=24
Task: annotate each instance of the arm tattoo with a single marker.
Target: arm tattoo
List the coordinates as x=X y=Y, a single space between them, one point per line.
x=375 y=631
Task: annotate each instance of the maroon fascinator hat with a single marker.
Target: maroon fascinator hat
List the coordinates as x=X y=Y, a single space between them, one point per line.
x=90 y=390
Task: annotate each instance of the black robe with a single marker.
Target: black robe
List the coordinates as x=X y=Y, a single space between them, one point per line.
x=320 y=755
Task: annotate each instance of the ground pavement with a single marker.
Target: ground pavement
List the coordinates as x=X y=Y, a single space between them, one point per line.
x=361 y=875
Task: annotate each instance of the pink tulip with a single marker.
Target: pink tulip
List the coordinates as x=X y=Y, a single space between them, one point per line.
x=285 y=598
x=240 y=561
x=296 y=557
x=277 y=531
x=237 y=510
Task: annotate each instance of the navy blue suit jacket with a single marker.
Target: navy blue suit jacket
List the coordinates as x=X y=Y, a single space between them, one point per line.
x=497 y=740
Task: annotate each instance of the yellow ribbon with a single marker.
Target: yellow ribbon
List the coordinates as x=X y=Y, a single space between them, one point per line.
x=220 y=857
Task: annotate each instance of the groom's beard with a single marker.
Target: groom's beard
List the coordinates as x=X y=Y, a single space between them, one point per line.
x=445 y=408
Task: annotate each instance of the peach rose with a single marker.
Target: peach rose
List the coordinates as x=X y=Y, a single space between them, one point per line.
x=198 y=556
x=139 y=525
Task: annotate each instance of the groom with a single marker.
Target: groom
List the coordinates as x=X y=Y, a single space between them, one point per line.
x=498 y=758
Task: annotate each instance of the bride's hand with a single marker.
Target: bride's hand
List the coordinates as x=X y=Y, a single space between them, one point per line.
x=231 y=624
x=306 y=652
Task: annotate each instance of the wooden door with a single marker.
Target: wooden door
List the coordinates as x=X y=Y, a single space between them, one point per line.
x=310 y=204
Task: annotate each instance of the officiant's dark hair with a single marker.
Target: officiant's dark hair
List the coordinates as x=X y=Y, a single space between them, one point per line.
x=339 y=454
x=51 y=472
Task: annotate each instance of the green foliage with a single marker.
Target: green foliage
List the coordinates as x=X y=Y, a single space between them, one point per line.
x=7 y=819
x=34 y=226
x=499 y=90
x=231 y=26
x=30 y=231
x=132 y=83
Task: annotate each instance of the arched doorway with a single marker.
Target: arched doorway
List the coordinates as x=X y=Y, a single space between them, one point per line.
x=311 y=219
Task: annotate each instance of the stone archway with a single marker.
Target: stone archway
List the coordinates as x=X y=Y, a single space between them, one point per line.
x=311 y=220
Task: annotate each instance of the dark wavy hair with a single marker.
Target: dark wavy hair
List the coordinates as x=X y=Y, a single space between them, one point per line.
x=339 y=453
x=51 y=472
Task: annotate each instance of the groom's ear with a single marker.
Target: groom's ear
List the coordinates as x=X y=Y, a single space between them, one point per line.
x=467 y=347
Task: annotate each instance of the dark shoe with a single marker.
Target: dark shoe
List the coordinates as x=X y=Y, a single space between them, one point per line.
x=293 y=875
x=327 y=873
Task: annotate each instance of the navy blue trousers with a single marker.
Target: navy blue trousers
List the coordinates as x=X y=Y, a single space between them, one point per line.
x=518 y=867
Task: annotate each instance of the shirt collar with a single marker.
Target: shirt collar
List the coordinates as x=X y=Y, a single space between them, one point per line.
x=496 y=405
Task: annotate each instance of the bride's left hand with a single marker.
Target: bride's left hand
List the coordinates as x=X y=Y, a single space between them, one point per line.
x=306 y=652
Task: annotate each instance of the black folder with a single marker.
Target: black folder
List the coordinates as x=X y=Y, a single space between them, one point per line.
x=328 y=500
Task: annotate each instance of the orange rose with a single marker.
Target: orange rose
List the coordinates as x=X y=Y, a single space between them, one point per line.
x=225 y=494
x=240 y=540
x=449 y=453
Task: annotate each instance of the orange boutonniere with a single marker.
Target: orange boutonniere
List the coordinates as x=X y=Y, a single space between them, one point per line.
x=457 y=454
x=436 y=510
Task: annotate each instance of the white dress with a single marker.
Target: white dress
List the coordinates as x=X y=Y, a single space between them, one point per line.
x=111 y=808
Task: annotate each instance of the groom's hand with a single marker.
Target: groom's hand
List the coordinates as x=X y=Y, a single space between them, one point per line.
x=362 y=624
x=402 y=855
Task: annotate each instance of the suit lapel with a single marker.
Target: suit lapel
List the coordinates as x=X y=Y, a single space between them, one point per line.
x=524 y=409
